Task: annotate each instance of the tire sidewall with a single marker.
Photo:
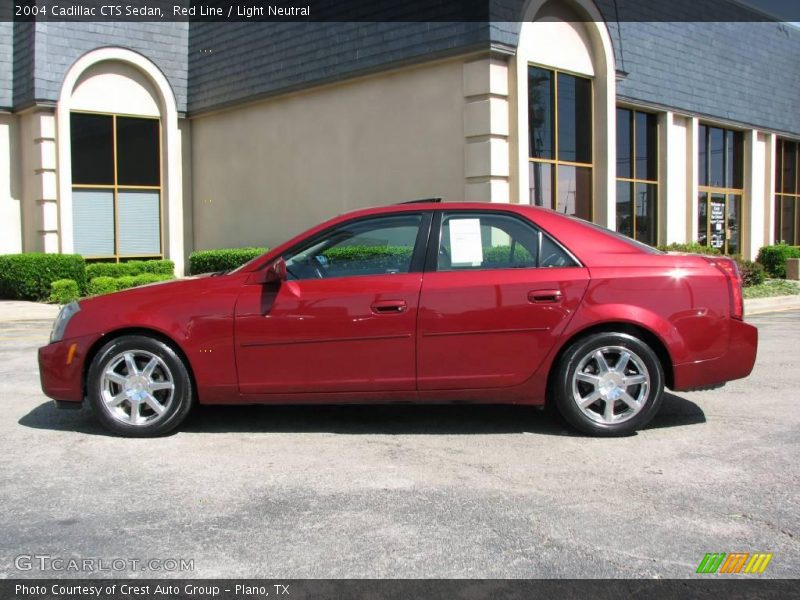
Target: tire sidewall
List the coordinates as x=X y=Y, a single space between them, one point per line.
x=182 y=396
x=566 y=370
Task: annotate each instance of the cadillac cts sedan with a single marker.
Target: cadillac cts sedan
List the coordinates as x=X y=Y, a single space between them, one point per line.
x=423 y=302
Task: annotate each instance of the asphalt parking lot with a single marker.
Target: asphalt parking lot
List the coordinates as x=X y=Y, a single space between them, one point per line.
x=406 y=491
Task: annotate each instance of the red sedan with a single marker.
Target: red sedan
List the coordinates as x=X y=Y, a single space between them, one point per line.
x=425 y=302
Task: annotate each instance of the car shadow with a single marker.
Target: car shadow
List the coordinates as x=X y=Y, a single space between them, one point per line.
x=364 y=419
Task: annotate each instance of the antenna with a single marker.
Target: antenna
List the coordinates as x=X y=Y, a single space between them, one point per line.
x=421 y=201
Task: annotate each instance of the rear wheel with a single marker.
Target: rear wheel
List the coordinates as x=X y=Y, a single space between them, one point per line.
x=609 y=384
x=139 y=387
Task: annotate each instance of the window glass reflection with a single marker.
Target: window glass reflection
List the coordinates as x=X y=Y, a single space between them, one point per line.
x=646 y=139
x=574 y=191
x=702 y=154
x=92 y=142
x=541 y=184
x=716 y=150
x=787 y=221
x=574 y=118
x=646 y=212
x=624 y=144
x=541 y=118
x=624 y=213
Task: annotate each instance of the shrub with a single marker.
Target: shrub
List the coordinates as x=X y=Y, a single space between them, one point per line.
x=28 y=276
x=132 y=268
x=102 y=285
x=774 y=258
x=501 y=256
x=64 y=291
x=106 y=285
x=752 y=273
x=693 y=247
x=209 y=261
x=370 y=259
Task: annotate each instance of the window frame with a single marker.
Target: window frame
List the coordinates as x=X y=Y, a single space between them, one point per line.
x=417 y=254
x=556 y=162
x=633 y=181
x=116 y=187
x=709 y=190
x=435 y=240
x=781 y=196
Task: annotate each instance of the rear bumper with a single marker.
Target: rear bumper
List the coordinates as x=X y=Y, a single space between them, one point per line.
x=61 y=368
x=736 y=363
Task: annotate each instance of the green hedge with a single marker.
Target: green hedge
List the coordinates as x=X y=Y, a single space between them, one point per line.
x=774 y=258
x=28 y=276
x=133 y=267
x=223 y=259
x=106 y=285
x=64 y=291
x=692 y=247
x=501 y=256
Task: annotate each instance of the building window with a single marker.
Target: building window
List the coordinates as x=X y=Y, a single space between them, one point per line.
x=560 y=155
x=116 y=185
x=637 y=175
x=719 y=208
x=787 y=192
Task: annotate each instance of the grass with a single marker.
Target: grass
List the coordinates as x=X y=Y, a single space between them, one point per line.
x=772 y=287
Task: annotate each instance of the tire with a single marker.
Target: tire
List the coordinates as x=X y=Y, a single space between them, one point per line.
x=138 y=386
x=599 y=394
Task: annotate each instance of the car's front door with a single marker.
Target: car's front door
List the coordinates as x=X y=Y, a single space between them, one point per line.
x=344 y=320
x=495 y=296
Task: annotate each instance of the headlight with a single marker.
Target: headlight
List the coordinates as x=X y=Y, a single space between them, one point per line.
x=60 y=324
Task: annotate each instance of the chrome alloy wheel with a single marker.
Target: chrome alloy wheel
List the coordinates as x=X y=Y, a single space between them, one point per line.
x=611 y=385
x=137 y=387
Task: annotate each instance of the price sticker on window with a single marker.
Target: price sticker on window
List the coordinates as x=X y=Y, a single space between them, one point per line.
x=466 y=248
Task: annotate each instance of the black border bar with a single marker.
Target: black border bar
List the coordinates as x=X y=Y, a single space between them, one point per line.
x=385 y=10
x=395 y=589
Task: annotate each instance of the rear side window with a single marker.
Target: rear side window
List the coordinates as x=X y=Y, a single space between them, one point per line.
x=473 y=240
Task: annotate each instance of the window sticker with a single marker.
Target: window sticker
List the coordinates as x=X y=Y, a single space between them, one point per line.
x=466 y=248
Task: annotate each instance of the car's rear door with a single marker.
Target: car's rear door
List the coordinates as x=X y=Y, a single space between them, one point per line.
x=496 y=294
x=345 y=320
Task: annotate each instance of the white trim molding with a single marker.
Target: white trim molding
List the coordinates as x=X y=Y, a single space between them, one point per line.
x=172 y=202
x=593 y=56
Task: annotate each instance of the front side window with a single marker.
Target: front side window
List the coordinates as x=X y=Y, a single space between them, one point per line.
x=721 y=186
x=376 y=246
x=494 y=241
x=560 y=148
x=116 y=185
x=637 y=175
x=787 y=192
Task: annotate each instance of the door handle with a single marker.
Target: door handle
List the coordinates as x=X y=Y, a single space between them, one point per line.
x=545 y=296
x=387 y=307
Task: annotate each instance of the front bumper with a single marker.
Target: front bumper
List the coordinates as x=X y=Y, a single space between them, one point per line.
x=61 y=368
x=736 y=363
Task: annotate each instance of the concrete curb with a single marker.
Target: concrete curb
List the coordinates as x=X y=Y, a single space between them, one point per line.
x=757 y=306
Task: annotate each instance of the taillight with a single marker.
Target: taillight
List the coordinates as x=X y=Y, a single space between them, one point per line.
x=731 y=270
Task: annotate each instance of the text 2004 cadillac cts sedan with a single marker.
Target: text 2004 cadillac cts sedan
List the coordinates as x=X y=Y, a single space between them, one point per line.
x=425 y=302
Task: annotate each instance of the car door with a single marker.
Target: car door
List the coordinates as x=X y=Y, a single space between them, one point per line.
x=345 y=318
x=495 y=296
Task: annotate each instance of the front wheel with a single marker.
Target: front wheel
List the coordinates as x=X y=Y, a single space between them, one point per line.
x=139 y=387
x=609 y=384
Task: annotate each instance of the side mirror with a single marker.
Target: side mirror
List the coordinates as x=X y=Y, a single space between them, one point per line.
x=274 y=272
